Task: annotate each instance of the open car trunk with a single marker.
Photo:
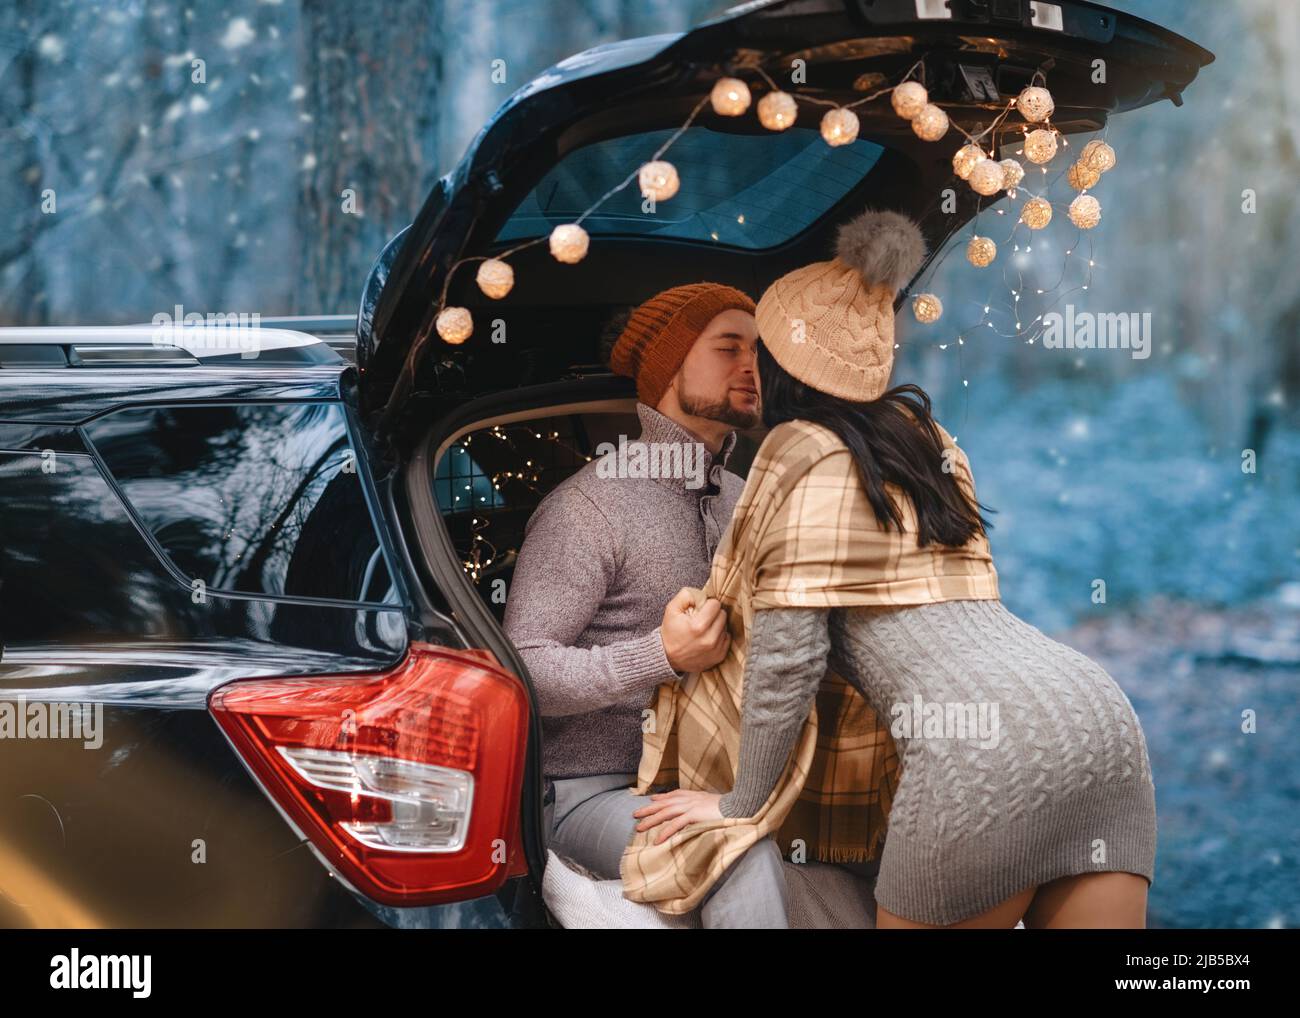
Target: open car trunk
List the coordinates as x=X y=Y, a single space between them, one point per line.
x=524 y=402
x=576 y=130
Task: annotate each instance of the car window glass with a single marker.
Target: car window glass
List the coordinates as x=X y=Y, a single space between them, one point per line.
x=746 y=191
x=460 y=483
x=71 y=564
x=257 y=499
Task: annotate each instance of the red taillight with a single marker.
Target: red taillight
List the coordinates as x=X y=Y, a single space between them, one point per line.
x=408 y=781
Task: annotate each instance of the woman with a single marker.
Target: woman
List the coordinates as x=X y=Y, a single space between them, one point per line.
x=1045 y=809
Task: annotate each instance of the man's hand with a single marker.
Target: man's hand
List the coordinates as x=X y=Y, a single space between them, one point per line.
x=694 y=638
x=676 y=809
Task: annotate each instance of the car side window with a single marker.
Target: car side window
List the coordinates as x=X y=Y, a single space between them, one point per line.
x=249 y=498
x=460 y=483
x=72 y=566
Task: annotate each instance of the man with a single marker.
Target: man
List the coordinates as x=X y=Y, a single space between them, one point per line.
x=603 y=555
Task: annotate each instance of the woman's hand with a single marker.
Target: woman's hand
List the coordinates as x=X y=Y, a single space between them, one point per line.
x=677 y=809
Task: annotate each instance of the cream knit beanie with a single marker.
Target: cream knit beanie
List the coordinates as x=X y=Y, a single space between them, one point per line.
x=831 y=324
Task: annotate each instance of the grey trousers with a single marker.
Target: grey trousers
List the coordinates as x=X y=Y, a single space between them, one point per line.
x=591 y=822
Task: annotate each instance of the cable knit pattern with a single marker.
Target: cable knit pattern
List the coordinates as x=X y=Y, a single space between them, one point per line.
x=784 y=665
x=975 y=820
x=831 y=324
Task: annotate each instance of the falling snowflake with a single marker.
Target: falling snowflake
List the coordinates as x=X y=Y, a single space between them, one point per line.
x=238 y=33
x=50 y=47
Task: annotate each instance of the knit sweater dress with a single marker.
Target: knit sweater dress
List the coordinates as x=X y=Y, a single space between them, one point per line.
x=1049 y=778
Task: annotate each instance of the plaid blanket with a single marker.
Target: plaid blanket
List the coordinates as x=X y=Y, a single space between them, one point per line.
x=803 y=534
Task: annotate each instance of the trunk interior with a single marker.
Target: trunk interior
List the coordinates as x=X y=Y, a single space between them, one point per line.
x=472 y=484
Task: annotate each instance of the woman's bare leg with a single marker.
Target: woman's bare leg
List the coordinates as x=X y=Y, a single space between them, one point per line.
x=1090 y=901
x=1003 y=916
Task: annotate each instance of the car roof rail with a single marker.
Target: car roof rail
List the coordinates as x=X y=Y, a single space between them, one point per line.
x=168 y=345
x=339 y=332
x=315 y=325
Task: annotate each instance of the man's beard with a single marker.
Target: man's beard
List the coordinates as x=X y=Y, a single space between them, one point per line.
x=720 y=410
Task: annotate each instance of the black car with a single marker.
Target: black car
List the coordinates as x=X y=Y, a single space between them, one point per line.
x=280 y=574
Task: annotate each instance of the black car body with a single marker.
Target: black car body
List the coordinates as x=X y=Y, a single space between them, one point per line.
x=261 y=568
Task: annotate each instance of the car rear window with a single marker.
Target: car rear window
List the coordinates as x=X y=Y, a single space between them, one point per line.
x=744 y=191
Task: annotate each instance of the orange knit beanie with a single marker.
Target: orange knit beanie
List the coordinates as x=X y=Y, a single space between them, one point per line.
x=661 y=332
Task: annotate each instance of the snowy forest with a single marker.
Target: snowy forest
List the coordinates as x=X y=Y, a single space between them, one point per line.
x=165 y=152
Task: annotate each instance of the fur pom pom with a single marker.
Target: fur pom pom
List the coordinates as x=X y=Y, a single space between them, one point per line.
x=885 y=247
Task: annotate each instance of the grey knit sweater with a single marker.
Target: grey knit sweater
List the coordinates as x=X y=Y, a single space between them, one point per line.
x=601 y=558
x=1047 y=775
x=972 y=651
x=1022 y=759
x=784 y=663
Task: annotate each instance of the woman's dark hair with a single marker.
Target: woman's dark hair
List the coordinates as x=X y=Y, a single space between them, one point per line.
x=888 y=448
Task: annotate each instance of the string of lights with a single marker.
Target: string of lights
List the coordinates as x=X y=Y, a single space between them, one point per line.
x=990 y=178
x=777 y=110
x=473 y=561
